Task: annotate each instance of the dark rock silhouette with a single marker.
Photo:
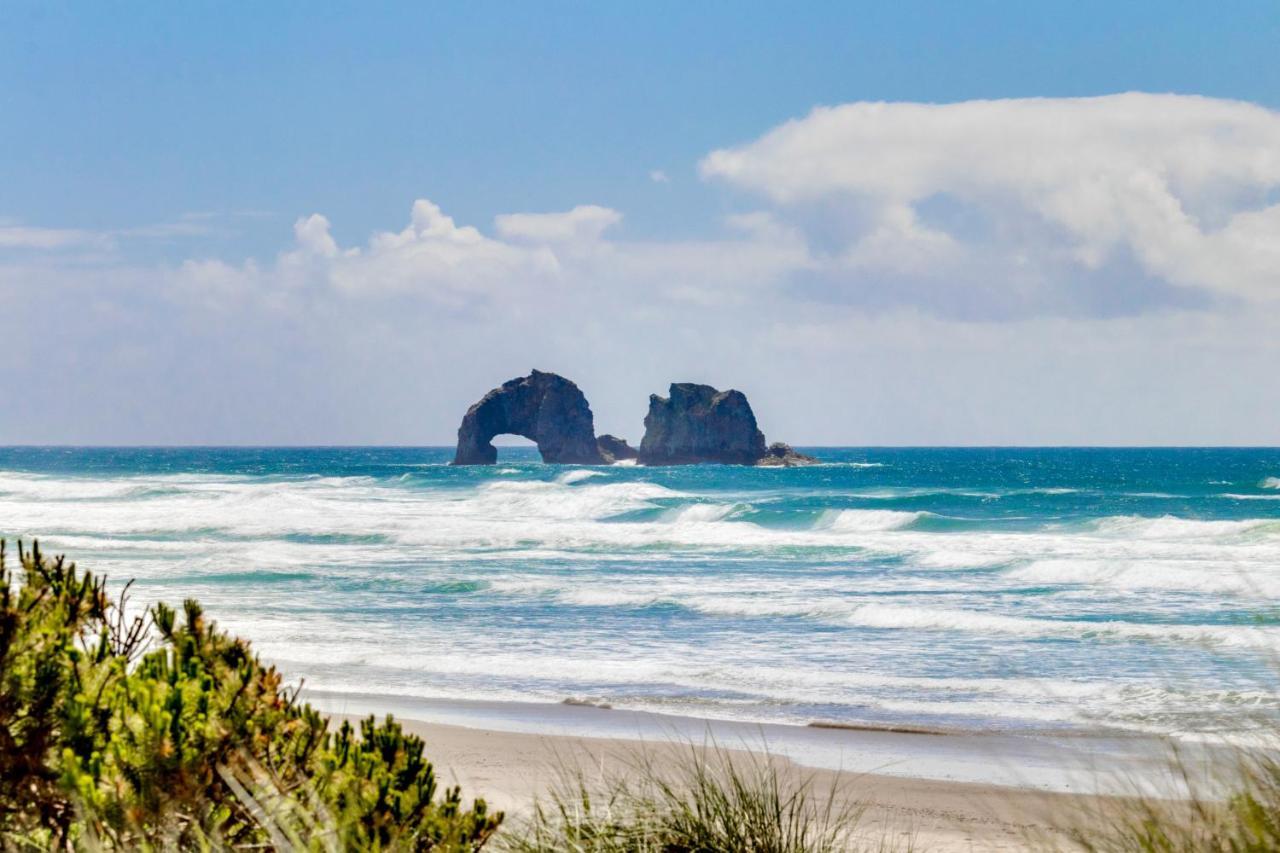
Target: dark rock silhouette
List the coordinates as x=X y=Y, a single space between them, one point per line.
x=697 y=423
x=614 y=449
x=543 y=407
x=780 y=455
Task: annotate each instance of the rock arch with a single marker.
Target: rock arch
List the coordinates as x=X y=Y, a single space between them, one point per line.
x=543 y=407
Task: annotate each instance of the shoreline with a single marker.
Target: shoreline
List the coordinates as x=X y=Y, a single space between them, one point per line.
x=1080 y=763
x=513 y=770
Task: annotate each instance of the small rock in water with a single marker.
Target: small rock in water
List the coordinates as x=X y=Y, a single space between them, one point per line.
x=780 y=455
x=614 y=449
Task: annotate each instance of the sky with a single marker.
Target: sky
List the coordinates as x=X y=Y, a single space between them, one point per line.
x=913 y=223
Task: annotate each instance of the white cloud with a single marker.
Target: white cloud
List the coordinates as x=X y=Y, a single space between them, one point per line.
x=542 y=259
x=1184 y=185
x=28 y=237
x=432 y=257
x=584 y=222
x=659 y=177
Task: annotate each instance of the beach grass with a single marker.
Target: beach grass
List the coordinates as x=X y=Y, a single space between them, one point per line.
x=707 y=799
x=1229 y=805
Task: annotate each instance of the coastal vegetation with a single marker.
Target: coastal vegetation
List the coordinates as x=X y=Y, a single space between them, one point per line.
x=158 y=731
x=1225 y=809
x=708 y=799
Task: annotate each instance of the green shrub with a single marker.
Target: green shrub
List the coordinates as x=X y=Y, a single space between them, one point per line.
x=159 y=732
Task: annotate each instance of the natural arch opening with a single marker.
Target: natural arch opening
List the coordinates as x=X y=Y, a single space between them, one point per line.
x=514 y=448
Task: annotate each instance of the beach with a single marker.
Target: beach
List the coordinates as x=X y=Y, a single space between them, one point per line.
x=915 y=788
x=513 y=769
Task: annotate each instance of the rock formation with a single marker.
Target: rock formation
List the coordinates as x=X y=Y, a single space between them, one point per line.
x=614 y=449
x=697 y=423
x=543 y=407
x=780 y=455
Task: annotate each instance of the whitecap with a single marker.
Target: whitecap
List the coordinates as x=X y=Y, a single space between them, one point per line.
x=1172 y=527
x=700 y=513
x=577 y=476
x=864 y=520
x=1181 y=575
x=892 y=616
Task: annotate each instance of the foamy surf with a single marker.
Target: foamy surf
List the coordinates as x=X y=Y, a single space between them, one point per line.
x=976 y=589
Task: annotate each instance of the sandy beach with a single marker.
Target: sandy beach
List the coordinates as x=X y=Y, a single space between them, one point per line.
x=918 y=790
x=512 y=769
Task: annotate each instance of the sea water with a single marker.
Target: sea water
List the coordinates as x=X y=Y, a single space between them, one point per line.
x=1015 y=590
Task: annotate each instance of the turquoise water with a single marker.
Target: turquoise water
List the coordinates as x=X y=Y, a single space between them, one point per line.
x=992 y=589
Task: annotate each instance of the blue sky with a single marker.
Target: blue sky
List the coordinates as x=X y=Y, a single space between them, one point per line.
x=149 y=143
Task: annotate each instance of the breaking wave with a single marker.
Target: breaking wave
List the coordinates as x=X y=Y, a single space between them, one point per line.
x=857 y=520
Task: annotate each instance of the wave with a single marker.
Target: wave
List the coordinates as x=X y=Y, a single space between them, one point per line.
x=897 y=617
x=1181 y=575
x=773 y=693
x=862 y=520
x=847 y=465
x=570 y=477
x=1172 y=527
x=702 y=512
x=1270 y=483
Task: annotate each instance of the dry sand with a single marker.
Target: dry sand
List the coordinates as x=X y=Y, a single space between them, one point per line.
x=511 y=769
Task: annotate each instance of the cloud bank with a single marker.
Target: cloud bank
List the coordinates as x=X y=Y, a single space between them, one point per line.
x=1040 y=192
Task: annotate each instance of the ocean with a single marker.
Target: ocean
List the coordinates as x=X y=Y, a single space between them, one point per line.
x=1000 y=590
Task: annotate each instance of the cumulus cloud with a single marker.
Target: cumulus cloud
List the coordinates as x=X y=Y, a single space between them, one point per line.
x=433 y=258
x=555 y=258
x=1036 y=189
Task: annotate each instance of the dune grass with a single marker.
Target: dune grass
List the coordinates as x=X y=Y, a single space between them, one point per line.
x=1232 y=806
x=708 y=799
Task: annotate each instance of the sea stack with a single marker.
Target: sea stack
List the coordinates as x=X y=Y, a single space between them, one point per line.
x=543 y=407
x=698 y=423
